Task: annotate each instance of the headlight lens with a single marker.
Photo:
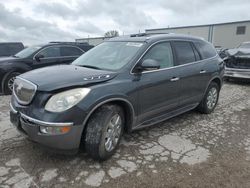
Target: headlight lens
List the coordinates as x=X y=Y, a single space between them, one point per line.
x=65 y=100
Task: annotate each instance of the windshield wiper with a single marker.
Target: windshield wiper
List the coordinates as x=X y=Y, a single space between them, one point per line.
x=14 y=56
x=90 y=66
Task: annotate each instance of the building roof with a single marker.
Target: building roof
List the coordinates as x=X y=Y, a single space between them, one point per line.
x=205 y=25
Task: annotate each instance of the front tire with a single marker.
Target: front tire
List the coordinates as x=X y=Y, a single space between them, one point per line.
x=104 y=131
x=210 y=100
x=8 y=82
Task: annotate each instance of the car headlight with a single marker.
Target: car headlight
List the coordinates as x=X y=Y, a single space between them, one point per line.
x=65 y=100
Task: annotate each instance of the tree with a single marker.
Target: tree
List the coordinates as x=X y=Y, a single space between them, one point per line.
x=112 y=33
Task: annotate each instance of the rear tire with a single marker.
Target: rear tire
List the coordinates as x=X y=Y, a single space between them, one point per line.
x=104 y=131
x=210 y=99
x=8 y=82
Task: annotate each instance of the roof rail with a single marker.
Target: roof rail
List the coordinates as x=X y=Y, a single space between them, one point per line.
x=61 y=42
x=146 y=34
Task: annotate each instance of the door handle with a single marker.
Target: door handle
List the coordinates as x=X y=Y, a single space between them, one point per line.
x=174 y=79
x=202 y=71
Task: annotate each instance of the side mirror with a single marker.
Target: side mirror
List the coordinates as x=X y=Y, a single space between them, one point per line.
x=148 y=64
x=38 y=57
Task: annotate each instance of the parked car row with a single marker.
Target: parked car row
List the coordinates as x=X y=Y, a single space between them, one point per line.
x=124 y=84
x=35 y=57
x=10 y=48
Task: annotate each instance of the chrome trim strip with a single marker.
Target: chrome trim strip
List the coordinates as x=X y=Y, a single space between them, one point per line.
x=12 y=109
x=58 y=46
x=235 y=69
x=22 y=102
x=168 y=40
x=44 y=123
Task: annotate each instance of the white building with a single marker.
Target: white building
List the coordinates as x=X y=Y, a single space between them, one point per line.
x=227 y=35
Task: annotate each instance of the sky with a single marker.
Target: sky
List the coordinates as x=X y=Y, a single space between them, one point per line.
x=39 y=21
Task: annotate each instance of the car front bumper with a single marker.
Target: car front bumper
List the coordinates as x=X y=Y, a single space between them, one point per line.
x=61 y=143
x=237 y=73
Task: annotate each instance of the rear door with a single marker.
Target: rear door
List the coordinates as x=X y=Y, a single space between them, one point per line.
x=70 y=53
x=189 y=68
x=158 y=90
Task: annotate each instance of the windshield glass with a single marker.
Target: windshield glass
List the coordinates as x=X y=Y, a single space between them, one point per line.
x=245 y=45
x=109 y=55
x=27 y=51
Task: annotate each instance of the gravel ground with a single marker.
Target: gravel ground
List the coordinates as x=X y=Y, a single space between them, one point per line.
x=191 y=150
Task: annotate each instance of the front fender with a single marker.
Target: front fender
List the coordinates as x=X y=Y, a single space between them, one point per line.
x=120 y=99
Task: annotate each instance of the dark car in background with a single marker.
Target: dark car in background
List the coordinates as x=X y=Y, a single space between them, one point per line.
x=35 y=57
x=237 y=61
x=10 y=48
x=123 y=84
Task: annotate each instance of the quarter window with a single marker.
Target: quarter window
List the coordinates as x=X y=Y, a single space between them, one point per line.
x=184 y=52
x=50 y=52
x=206 y=49
x=70 y=51
x=162 y=53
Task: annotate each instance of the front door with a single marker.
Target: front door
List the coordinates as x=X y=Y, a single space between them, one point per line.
x=47 y=57
x=158 y=89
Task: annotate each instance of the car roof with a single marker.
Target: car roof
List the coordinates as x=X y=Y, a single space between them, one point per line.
x=154 y=37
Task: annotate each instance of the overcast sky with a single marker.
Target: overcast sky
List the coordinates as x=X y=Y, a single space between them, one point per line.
x=40 y=21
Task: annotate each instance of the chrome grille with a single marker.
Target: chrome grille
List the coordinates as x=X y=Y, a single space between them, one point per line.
x=24 y=90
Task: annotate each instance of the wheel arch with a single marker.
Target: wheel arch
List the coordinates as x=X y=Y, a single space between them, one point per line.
x=10 y=71
x=123 y=103
x=217 y=80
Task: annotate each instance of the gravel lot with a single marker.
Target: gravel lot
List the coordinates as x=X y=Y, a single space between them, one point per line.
x=191 y=150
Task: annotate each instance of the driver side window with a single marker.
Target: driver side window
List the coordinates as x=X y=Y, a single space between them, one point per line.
x=50 y=52
x=162 y=53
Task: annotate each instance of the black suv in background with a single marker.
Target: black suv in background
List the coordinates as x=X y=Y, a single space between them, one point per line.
x=35 y=57
x=10 y=48
x=123 y=84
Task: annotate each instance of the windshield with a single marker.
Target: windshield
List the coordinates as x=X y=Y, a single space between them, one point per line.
x=109 y=55
x=245 y=45
x=27 y=51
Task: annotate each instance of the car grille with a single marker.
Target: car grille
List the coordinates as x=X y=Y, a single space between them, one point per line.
x=24 y=90
x=238 y=63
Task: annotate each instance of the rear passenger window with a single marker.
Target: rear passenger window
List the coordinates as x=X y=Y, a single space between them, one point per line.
x=162 y=53
x=206 y=49
x=70 y=51
x=184 y=52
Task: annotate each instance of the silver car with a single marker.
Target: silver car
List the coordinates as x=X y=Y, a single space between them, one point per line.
x=238 y=62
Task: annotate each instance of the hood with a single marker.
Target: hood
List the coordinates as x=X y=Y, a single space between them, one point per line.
x=62 y=76
x=8 y=59
x=239 y=52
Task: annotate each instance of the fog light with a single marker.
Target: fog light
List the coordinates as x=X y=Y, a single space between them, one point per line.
x=54 y=129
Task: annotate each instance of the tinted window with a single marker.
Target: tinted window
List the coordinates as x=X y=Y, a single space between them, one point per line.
x=70 y=51
x=206 y=49
x=184 y=52
x=162 y=53
x=50 y=52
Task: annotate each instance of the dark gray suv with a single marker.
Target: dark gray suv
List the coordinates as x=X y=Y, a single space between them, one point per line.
x=123 y=84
